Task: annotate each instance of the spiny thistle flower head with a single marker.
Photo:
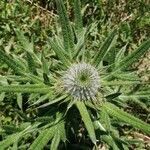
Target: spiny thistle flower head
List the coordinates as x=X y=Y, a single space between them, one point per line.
x=81 y=81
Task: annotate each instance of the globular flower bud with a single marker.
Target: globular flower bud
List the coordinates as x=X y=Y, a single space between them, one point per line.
x=82 y=81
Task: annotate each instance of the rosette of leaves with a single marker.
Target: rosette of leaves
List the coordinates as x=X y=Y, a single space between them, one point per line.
x=70 y=95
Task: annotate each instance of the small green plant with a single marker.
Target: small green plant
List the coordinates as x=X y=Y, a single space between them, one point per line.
x=61 y=91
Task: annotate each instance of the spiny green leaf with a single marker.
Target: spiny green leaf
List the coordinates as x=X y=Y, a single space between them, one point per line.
x=9 y=140
x=17 y=67
x=143 y=92
x=33 y=78
x=98 y=125
x=43 y=98
x=24 y=41
x=10 y=128
x=31 y=64
x=134 y=56
x=44 y=63
x=19 y=60
x=114 y=111
x=112 y=96
x=15 y=137
x=25 y=77
x=59 y=53
x=80 y=43
x=139 y=103
x=110 y=141
x=106 y=46
x=120 y=55
x=2 y=96
x=19 y=100
x=26 y=45
x=15 y=146
x=127 y=76
x=120 y=82
x=87 y=120
x=71 y=103
x=66 y=27
x=35 y=88
x=55 y=141
x=33 y=96
x=42 y=139
x=53 y=101
x=16 y=78
x=11 y=62
x=104 y=118
x=135 y=96
x=62 y=130
x=78 y=16
x=44 y=119
x=45 y=136
x=45 y=69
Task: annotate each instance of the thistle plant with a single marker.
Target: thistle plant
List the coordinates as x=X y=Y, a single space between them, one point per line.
x=68 y=86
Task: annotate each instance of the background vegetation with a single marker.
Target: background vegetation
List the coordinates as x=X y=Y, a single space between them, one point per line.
x=38 y=19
